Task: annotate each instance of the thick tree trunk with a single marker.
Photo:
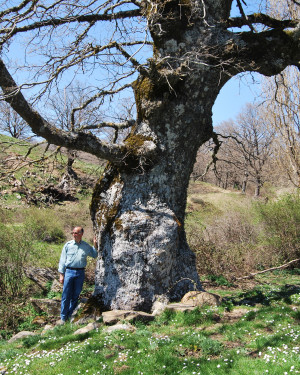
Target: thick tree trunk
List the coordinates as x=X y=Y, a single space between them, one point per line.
x=258 y=185
x=139 y=211
x=144 y=253
x=245 y=181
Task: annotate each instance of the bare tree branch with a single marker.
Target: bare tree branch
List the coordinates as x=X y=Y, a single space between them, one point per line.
x=117 y=126
x=66 y=20
x=78 y=141
x=214 y=157
x=251 y=276
x=20 y=163
x=100 y=94
x=296 y=2
x=248 y=23
x=16 y=8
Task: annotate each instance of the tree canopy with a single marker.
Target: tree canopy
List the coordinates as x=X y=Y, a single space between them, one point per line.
x=106 y=42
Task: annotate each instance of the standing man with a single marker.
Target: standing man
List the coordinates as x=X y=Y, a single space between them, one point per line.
x=71 y=267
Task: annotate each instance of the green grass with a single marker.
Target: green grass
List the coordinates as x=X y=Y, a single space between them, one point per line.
x=45 y=255
x=89 y=169
x=265 y=340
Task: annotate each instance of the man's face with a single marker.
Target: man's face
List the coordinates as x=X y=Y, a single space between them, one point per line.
x=77 y=234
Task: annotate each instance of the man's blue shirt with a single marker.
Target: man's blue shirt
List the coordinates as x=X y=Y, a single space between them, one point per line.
x=74 y=255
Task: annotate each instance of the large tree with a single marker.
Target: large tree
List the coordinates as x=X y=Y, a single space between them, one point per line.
x=138 y=205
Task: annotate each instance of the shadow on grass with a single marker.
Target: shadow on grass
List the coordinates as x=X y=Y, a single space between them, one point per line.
x=263 y=296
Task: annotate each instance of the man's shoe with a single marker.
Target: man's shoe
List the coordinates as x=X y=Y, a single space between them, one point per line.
x=60 y=322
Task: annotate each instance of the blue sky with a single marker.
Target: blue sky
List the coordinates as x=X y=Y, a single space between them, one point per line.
x=239 y=90
x=234 y=96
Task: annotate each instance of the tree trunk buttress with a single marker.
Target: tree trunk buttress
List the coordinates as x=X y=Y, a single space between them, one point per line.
x=138 y=212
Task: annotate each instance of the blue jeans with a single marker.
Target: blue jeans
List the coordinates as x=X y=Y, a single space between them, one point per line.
x=73 y=283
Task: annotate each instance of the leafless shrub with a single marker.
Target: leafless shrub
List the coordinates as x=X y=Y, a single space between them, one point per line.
x=228 y=246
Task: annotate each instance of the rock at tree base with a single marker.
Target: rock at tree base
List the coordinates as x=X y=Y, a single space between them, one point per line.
x=50 y=306
x=21 y=335
x=114 y=316
x=198 y=298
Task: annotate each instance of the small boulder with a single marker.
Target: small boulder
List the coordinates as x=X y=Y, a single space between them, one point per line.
x=182 y=307
x=47 y=328
x=114 y=316
x=50 y=306
x=56 y=287
x=119 y=326
x=40 y=320
x=41 y=276
x=198 y=298
x=158 y=307
x=21 y=335
x=88 y=328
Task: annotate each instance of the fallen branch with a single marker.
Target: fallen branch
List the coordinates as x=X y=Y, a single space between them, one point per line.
x=268 y=270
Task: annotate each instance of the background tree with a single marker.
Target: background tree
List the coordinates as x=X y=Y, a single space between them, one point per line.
x=138 y=205
x=245 y=146
x=11 y=123
x=282 y=103
x=283 y=109
x=62 y=116
x=249 y=146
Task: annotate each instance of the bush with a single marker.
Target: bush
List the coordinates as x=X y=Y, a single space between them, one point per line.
x=44 y=225
x=226 y=247
x=281 y=222
x=236 y=243
x=16 y=244
x=15 y=247
x=219 y=280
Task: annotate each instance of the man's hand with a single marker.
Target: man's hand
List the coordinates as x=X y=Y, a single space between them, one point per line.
x=61 y=278
x=95 y=243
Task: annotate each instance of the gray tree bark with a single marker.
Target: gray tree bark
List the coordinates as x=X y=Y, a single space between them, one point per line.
x=139 y=209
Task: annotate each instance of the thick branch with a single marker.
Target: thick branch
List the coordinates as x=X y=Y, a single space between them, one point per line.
x=267 y=52
x=77 y=141
x=15 y=8
x=260 y=18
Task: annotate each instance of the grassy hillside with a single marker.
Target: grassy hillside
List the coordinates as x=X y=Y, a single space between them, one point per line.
x=24 y=173
x=219 y=223
x=253 y=332
x=234 y=234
